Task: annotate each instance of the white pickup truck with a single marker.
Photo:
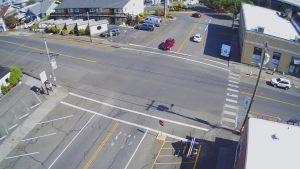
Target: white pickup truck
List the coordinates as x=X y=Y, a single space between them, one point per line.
x=225 y=50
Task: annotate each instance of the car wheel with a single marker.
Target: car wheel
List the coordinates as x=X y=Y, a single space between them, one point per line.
x=286 y=88
x=275 y=85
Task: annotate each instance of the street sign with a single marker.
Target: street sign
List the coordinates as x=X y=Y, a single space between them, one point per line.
x=43 y=76
x=246 y=103
x=53 y=63
x=161 y=123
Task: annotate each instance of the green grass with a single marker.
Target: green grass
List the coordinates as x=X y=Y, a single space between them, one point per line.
x=149 y=13
x=176 y=2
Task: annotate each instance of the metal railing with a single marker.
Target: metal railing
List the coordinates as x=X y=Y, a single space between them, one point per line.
x=90 y=14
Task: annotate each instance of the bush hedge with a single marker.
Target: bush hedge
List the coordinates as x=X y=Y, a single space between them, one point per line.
x=64 y=32
x=81 y=32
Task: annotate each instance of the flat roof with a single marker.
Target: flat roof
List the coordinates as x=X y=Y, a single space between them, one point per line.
x=273 y=24
x=292 y=2
x=272 y=144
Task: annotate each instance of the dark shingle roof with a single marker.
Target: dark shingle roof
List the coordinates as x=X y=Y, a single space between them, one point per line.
x=3 y=71
x=92 y=4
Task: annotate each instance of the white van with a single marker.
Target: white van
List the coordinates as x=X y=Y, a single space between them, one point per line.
x=153 y=20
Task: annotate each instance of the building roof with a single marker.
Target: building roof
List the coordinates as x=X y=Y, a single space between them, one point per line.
x=42 y=7
x=3 y=71
x=92 y=4
x=4 y=10
x=292 y=2
x=272 y=144
x=97 y=23
x=273 y=24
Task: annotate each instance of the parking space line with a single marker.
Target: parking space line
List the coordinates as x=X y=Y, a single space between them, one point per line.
x=34 y=106
x=39 y=137
x=13 y=126
x=153 y=39
x=21 y=155
x=3 y=137
x=271 y=99
x=55 y=119
x=71 y=141
x=101 y=146
x=174 y=163
x=158 y=154
x=259 y=113
x=136 y=149
x=37 y=97
x=23 y=116
x=189 y=35
x=197 y=156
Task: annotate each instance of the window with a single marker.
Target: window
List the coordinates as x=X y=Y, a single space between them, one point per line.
x=92 y=10
x=100 y=18
x=57 y=10
x=76 y=10
x=275 y=60
x=58 y=17
x=71 y=17
x=99 y=9
x=92 y=17
x=256 y=55
x=119 y=19
x=118 y=10
x=70 y=10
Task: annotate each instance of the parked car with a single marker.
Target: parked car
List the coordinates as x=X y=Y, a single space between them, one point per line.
x=197 y=38
x=294 y=120
x=280 y=82
x=114 y=31
x=197 y=15
x=146 y=26
x=168 y=44
x=153 y=20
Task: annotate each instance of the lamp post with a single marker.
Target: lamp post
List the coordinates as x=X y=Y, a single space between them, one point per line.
x=89 y=27
x=254 y=92
x=54 y=78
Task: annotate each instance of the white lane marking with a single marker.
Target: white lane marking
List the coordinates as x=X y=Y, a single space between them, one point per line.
x=23 y=116
x=233 y=90
x=231 y=81
x=71 y=141
x=13 y=126
x=55 y=119
x=22 y=155
x=228 y=120
x=231 y=85
x=37 y=97
x=232 y=74
x=231 y=77
x=136 y=149
x=230 y=106
x=183 y=59
x=232 y=95
x=39 y=137
x=230 y=100
x=229 y=113
x=3 y=137
x=34 y=106
x=136 y=112
x=26 y=105
x=123 y=121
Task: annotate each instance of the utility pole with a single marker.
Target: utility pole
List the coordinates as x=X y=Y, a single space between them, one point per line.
x=233 y=15
x=165 y=9
x=89 y=26
x=254 y=92
x=54 y=78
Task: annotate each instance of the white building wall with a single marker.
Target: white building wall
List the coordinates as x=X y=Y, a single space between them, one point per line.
x=82 y=26
x=3 y=80
x=134 y=7
x=95 y=31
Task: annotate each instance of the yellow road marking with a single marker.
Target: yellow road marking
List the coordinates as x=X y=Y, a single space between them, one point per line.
x=158 y=154
x=172 y=148
x=271 y=99
x=167 y=155
x=188 y=35
x=197 y=157
x=101 y=146
x=254 y=77
x=255 y=84
x=259 y=113
x=51 y=52
x=174 y=163
x=153 y=39
x=174 y=141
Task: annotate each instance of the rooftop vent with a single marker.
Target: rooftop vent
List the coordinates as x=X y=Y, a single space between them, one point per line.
x=260 y=29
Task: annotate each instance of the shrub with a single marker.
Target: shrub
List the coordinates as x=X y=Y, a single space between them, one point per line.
x=169 y=16
x=34 y=26
x=141 y=14
x=72 y=31
x=15 y=75
x=65 y=32
x=140 y=20
x=81 y=32
x=172 y=17
x=11 y=21
x=171 y=9
x=4 y=89
x=55 y=30
x=27 y=21
x=183 y=6
x=159 y=12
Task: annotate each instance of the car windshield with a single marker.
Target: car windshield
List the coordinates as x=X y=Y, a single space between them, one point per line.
x=197 y=36
x=167 y=42
x=278 y=79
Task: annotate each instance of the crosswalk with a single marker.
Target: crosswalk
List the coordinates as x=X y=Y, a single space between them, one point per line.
x=230 y=109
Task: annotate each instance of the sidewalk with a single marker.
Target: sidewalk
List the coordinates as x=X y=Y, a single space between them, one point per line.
x=34 y=118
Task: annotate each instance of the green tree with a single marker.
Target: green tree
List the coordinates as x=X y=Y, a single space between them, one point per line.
x=282 y=7
x=11 y=21
x=81 y=32
x=159 y=12
x=268 y=4
x=4 y=89
x=65 y=32
x=30 y=2
x=15 y=75
x=72 y=31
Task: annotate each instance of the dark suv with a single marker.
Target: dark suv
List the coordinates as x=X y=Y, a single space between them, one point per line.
x=114 y=31
x=146 y=26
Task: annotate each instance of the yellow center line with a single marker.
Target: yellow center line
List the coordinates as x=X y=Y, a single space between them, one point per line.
x=197 y=157
x=74 y=57
x=158 y=154
x=167 y=155
x=153 y=39
x=271 y=99
x=254 y=77
x=174 y=163
x=174 y=141
x=260 y=114
x=172 y=148
x=188 y=35
x=101 y=146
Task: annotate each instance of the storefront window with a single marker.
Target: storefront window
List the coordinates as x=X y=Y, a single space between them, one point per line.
x=256 y=55
x=275 y=60
x=295 y=66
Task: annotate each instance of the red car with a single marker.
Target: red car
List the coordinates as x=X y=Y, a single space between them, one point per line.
x=198 y=15
x=168 y=44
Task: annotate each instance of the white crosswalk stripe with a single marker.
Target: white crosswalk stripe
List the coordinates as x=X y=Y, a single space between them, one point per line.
x=234 y=74
x=232 y=95
x=231 y=81
x=228 y=120
x=233 y=90
x=230 y=106
x=229 y=113
x=231 y=85
x=231 y=77
x=230 y=100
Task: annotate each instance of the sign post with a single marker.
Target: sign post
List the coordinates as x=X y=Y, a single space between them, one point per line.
x=43 y=77
x=161 y=124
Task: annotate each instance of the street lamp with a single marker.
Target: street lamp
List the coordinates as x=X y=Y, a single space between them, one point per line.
x=126 y=36
x=54 y=78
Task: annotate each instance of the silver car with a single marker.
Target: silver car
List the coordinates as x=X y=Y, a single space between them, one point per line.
x=280 y=82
